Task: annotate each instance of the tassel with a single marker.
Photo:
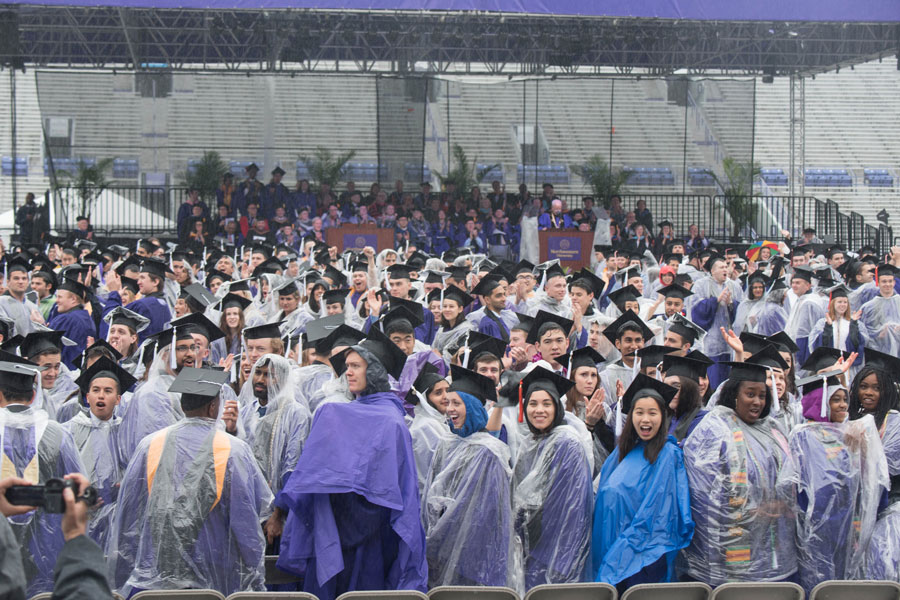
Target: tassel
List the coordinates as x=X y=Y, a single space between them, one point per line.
x=776 y=404
x=619 y=418
x=171 y=262
x=521 y=406
x=137 y=245
x=287 y=347
x=99 y=270
x=824 y=412
x=636 y=366
x=569 y=368
x=141 y=355
x=300 y=350
x=108 y=330
x=465 y=362
x=172 y=362
x=234 y=364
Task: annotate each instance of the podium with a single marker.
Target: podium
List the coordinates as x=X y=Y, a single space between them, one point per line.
x=357 y=237
x=571 y=247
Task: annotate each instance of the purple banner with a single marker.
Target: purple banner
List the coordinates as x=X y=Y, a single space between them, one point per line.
x=703 y=10
x=564 y=248
x=358 y=241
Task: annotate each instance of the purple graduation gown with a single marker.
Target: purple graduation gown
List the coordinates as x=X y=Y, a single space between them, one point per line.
x=155 y=308
x=354 y=503
x=76 y=325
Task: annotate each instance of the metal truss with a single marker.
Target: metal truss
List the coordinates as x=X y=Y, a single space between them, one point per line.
x=288 y=40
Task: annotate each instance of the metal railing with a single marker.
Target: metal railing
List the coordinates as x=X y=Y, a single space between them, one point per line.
x=119 y=211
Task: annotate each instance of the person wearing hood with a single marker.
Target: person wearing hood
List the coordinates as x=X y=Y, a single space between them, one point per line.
x=44 y=348
x=275 y=426
x=744 y=531
x=552 y=487
x=349 y=527
x=96 y=437
x=553 y=296
x=429 y=426
x=715 y=303
x=467 y=508
x=839 y=477
x=642 y=516
x=191 y=502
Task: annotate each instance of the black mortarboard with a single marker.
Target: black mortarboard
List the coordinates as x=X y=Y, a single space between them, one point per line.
x=457 y=295
x=470 y=382
x=241 y=285
x=7 y=327
x=886 y=269
x=85 y=245
x=664 y=223
x=525 y=322
x=888 y=363
x=550 y=269
x=267 y=330
x=486 y=286
x=337 y=336
x=198 y=387
x=155 y=267
x=17 y=377
x=200 y=294
x=433 y=276
x=286 y=288
x=400 y=318
x=623 y=295
x=822 y=358
x=814 y=382
x=606 y=250
x=746 y=371
x=542 y=319
x=164 y=337
x=804 y=273
x=428 y=377
x=643 y=386
x=669 y=256
x=198 y=323
x=683 y=366
x=123 y=316
x=130 y=284
x=612 y=331
x=753 y=342
x=540 y=378
x=41 y=341
x=233 y=301
x=623 y=275
x=18 y=263
x=699 y=356
x=335 y=296
x=359 y=265
x=270 y=265
x=99 y=345
x=675 y=291
x=132 y=260
x=412 y=306
x=583 y=357
x=388 y=354
x=596 y=284
x=838 y=291
x=487 y=345
x=769 y=356
x=399 y=271
x=71 y=285
x=104 y=367
x=458 y=273
x=523 y=266
x=278 y=171
x=687 y=329
x=337 y=277
x=784 y=342
x=214 y=274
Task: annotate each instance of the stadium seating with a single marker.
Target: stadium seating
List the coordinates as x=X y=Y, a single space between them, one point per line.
x=668 y=591
x=649 y=175
x=454 y=592
x=700 y=177
x=126 y=168
x=494 y=174
x=384 y=595
x=856 y=590
x=572 y=591
x=828 y=178
x=178 y=595
x=878 y=178
x=555 y=174
x=753 y=590
x=416 y=173
x=19 y=165
x=774 y=176
x=284 y=596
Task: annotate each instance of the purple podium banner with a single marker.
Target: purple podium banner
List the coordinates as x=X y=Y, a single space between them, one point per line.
x=875 y=11
x=358 y=241
x=564 y=248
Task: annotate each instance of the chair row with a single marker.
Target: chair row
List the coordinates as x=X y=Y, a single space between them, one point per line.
x=829 y=590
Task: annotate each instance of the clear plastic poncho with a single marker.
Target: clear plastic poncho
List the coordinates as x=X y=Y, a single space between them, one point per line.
x=151 y=408
x=188 y=515
x=276 y=432
x=881 y=317
x=62 y=389
x=428 y=430
x=835 y=483
x=37 y=449
x=709 y=314
x=553 y=503
x=445 y=339
x=467 y=514
x=541 y=301
x=18 y=312
x=743 y=529
x=804 y=315
x=97 y=442
x=762 y=316
x=311 y=380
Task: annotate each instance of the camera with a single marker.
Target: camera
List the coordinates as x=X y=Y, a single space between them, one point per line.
x=50 y=495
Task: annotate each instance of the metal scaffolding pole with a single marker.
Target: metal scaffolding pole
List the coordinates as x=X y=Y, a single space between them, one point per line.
x=798 y=135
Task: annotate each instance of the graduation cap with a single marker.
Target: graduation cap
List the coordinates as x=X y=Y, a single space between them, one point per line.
x=335 y=296
x=200 y=295
x=412 y=306
x=388 y=354
x=428 y=377
x=675 y=291
x=277 y=171
x=541 y=321
x=627 y=273
x=198 y=323
x=823 y=357
x=747 y=371
x=596 y=284
x=85 y=245
x=155 y=267
x=888 y=363
x=804 y=273
x=130 y=284
x=164 y=337
x=457 y=295
x=127 y=317
x=753 y=342
x=769 y=356
x=814 y=382
x=322 y=257
x=286 y=288
x=700 y=357
x=251 y=167
x=417 y=260
x=335 y=336
x=550 y=269
x=525 y=323
x=401 y=319
x=683 y=366
x=652 y=355
x=487 y=285
x=669 y=256
x=359 y=265
x=41 y=341
x=523 y=266
x=583 y=357
x=784 y=342
x=198 y=387
x=622 y=296
x=435 y=276
x=613 y=331
x=399 y=271
x=17 y=377
x=487 y=345
x=838 y=291
x=714 y=257
x=104 y=367
x=643 y=386
x=337 y=277
x=99 y=346
x=664 y=223
x=470 y=382
x=458 y=272
x=885 y=269
x=687 y=329
x=18 y=263
x=131 y=261
x=606 y=250
x=270 y=265
x=73 y=286
x=7 y=326
x=266 y=330
x=541 y=379
x=212 y=274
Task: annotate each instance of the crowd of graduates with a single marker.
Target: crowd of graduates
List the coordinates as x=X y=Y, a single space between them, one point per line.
x=420 y=416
